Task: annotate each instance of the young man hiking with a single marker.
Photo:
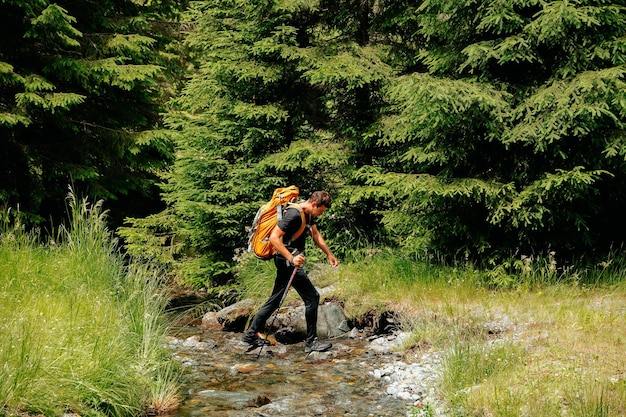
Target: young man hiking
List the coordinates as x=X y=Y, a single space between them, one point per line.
x=290 y=255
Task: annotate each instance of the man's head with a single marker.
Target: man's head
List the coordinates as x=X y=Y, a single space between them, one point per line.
x=320 y=201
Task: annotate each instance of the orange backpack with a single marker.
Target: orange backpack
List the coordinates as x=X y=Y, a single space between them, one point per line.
x=267 y=218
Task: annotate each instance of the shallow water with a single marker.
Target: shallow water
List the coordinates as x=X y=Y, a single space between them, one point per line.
x=223 y=380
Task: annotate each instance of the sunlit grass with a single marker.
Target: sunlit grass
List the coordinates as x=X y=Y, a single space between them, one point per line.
x=81 y=331
x=525 y=337
x=412 y=288
x=521 y=339
x=574 y=361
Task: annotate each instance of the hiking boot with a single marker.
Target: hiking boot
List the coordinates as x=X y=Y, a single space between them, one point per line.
x=254 y=340
x=316 y=346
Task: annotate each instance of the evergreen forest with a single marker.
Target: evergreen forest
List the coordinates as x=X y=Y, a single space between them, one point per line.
x=443 y=129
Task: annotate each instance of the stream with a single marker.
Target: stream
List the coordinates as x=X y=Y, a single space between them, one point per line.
x=359 y=376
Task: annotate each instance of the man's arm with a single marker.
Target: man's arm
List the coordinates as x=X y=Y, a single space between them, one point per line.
x=276 y=239
x=321 y=243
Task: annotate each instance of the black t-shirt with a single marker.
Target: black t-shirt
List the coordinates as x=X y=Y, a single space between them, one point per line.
x=290 y=224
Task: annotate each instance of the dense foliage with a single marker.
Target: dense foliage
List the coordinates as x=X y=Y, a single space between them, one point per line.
x=461 y=128
x=474 y=128
x=81 y=88
x=506 y=131
x=281 y=95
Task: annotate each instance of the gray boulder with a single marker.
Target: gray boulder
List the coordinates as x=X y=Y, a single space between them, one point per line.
x=289 y=324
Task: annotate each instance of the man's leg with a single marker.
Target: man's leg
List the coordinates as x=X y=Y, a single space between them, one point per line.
x=266 y=310
x=260 y=318
x=307 y=291
x=311 y=298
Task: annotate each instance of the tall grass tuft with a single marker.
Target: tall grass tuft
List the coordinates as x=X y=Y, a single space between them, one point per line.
x=405 y=285
x=469 y=364
x=81 y=330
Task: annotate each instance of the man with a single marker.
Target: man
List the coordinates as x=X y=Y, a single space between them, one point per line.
x=289 y=256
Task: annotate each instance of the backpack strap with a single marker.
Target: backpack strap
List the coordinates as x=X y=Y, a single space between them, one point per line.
x=302 y=226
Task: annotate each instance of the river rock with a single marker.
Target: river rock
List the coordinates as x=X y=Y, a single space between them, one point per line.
x=290 y=323
x=235 y=316
x=191 y=341
x=228 y=399
x=210 y=321
x=245 y=368
x=388 y=344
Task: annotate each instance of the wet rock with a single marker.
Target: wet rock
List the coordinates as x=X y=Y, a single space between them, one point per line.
x=290 y=323
x=289 y=335
x=245 y=368
x=320 y=356
x=206 y=345
x=210 y=321
x=227 y=399
x=228 y=382
x=259 y=401
x=191 y=341
x=266 y=351
x=195 y=342
x=235 y=316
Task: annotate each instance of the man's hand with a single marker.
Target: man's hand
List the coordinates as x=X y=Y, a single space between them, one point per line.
x=299 y=260
x=332 y=260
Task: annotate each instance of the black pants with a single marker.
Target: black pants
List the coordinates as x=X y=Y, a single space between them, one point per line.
x=305 y=289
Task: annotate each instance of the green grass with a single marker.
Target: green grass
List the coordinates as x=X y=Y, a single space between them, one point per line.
x=559 y=340
x=81 y=331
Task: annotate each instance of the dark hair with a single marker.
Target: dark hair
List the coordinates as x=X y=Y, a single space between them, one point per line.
x=322 y=198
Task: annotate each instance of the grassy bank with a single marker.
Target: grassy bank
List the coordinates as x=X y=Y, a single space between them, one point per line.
x=80 y=332
x=526 y=338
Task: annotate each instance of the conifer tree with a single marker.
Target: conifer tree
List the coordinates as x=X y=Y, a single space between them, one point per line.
x=281 y=91
x=81 y=88
x=506 y=131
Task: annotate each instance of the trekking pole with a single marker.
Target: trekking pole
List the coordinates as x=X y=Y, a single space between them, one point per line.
x=293 y=274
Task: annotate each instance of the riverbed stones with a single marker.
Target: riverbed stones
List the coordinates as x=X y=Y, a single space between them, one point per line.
x=196 y=342
x=210 y=321
x=228 y=399
x=387 y=344
x=414 y=383
x=259 y=401
x=245 y=368
x=351 y=379
x=289 y=324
